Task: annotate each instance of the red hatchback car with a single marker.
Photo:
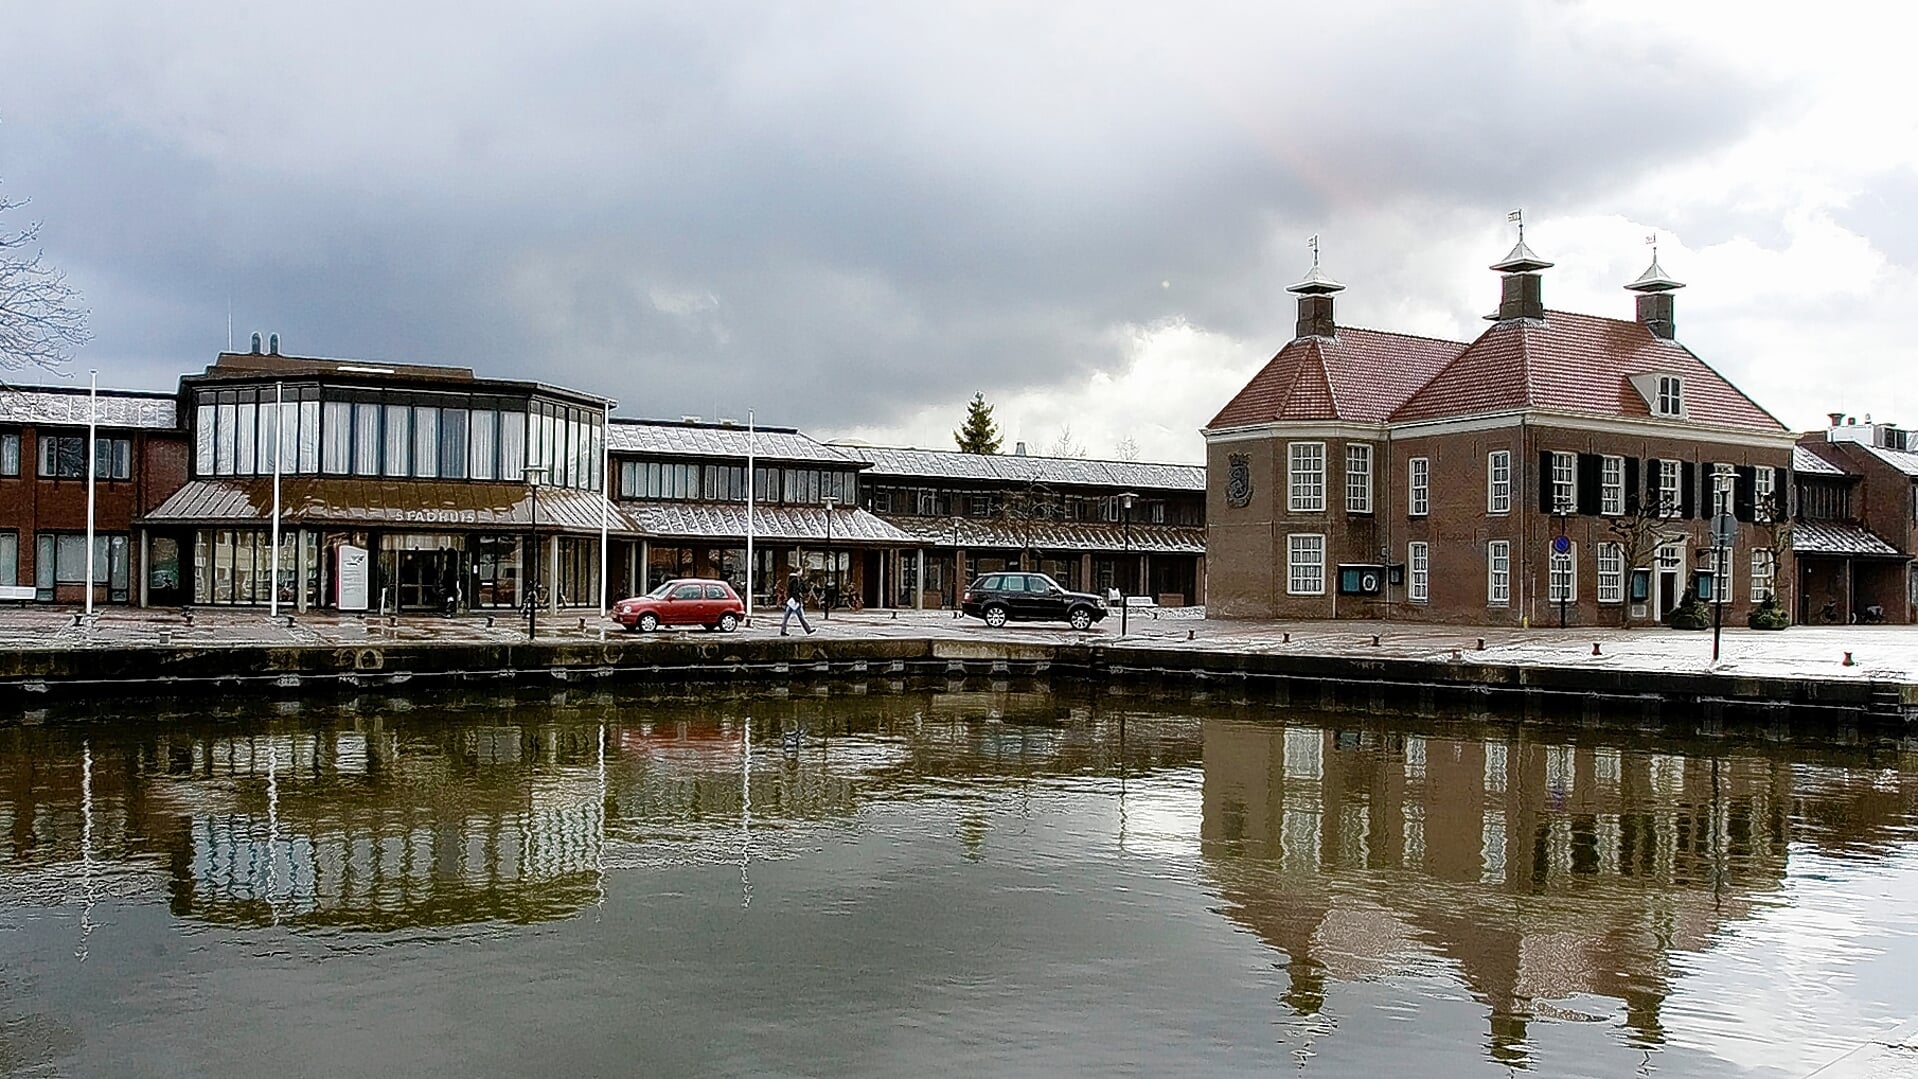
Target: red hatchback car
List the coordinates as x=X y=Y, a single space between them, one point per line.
x=684 y=602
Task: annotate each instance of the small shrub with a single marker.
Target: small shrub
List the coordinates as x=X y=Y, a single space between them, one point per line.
x=1692 y=612
x=1768 y=615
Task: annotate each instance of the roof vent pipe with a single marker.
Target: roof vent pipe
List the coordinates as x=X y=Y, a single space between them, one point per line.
x=256 y=343
x=273 y=345
x=1018 y=449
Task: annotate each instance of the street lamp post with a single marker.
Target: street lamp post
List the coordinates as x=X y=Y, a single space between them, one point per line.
x=832 y=564
x=1125 y=505
x=534 y=474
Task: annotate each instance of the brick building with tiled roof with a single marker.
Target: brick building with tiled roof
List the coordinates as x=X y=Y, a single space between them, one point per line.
x=1559 y=466
x=1855 y=524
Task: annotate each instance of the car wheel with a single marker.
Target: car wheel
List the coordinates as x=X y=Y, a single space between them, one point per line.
x=995 y=616
x=1080 y=618
x=648 y=622
x=728 y=622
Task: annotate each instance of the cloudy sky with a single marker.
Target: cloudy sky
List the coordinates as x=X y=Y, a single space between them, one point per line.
x=850 y=217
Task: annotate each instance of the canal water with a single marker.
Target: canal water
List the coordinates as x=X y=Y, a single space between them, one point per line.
x=993 y=882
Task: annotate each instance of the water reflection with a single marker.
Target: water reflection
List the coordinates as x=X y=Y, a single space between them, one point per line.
x=1540 y=870
x=1563 y=881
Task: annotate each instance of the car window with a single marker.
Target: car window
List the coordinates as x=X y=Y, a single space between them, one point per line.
x=660 y=592
x=989 y=583
x=716 y=591
x=1043 y=583
x=1015 y=582
x=686 y=591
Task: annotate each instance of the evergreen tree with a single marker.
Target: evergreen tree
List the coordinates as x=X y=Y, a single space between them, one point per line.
x=979 y=434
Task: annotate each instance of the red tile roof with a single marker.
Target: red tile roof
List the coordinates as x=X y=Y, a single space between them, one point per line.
x=1580 y=363
x=1359 y=375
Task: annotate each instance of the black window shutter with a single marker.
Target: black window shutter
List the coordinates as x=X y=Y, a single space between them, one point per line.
x=1782 y=491
x=1545 y=481
x=1588 y=478
x=1687 y=491
x=1631 y=485
x=1744 y=492
x=1651 y=485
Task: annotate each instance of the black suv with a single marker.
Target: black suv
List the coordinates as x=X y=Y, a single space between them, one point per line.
x=1029 y=597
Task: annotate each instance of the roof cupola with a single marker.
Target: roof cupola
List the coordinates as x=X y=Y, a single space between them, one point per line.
x=1315 y=294
x=1655 y=288
x=1521 y=291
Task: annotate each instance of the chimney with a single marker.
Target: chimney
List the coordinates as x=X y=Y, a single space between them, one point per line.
x=273 y=345
x=1315 y=294
x=1655 y=306
x=256 y=343
x=1018 y=449
x=1521 y=290
x=1836 y=418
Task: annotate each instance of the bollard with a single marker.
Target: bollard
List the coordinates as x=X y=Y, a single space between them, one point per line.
x=1848 y=661
x=489 y=621
x=582 y=625
x=1375 y=640
x=895 y=616
x=1188 y=634
x=1594 y=648
x=1481 y=644
x=1287 y=639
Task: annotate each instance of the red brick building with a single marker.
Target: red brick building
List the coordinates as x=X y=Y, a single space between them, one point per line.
x=1559 y=465
x=141 y=458
x=1856 y=525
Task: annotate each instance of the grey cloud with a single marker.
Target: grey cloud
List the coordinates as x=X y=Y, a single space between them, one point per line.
x=886 y=207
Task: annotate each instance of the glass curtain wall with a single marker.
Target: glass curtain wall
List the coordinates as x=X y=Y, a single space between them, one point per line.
x=393 y=435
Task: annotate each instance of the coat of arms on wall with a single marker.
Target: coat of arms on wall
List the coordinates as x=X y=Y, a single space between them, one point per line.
x=1238 y=479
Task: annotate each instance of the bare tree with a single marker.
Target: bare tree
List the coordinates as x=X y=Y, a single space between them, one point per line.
x=1023 y=509
x=41 y=320
x=1065 y=445
x=1127 y=449
x=1638 y=534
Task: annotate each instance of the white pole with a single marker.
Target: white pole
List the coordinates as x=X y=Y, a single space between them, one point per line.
x=605 y=503
x=93 y=468
x=279 y=417
x=750 y=564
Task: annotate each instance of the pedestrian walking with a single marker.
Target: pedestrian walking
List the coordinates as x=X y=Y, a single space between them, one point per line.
x=794 y=608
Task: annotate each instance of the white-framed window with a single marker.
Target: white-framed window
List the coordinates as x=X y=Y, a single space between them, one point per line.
x=1306 y=476
x=1764 y=574
x=1417 y=571
x=1358 y=477
x=1670 y=488
x=1498 y=573
x=1611 y=486
x=1721 y=560
x=1722 y=481
x=1420 y=474
x=1561 y=583
x=1611 y=573
x=1671 y=395
x=1305 y=564
x=1564 y=482
x=1764 y=491
x=1498 y=481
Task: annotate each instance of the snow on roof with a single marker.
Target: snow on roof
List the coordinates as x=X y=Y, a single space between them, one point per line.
x=658 y=438
x=1014 y=468
x=117 y=408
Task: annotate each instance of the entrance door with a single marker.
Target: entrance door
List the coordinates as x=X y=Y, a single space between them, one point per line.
x=1671 y=578
x=429 y=580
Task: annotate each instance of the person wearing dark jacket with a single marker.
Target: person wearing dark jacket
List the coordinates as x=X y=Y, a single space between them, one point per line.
x=793 y=606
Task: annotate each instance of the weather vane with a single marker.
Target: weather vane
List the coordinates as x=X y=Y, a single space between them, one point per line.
x=1517 y=217
x=1313 y=243
x=1653 y=240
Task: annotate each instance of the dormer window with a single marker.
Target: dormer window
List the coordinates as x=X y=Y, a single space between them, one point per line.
x=1671 y=396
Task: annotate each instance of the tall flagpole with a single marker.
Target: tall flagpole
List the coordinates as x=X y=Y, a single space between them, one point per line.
x=750 y=564
x=279 y=418
x=605 y=501
x=93 y=472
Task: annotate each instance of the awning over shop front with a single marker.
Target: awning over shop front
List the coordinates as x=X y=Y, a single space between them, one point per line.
x=1828 y=539
x=408 y=504
x=1053 y=535
x=726 y=521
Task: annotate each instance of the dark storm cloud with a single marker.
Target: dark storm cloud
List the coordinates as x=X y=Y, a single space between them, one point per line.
x=831 y=214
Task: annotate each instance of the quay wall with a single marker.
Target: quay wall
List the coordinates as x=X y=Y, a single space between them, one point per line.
x=33 y=678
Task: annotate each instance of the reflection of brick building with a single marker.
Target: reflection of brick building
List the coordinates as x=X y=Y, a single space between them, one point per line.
x=1543 y=871
x=1369 y=474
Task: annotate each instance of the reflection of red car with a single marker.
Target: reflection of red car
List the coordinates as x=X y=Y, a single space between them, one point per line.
x=685 y=602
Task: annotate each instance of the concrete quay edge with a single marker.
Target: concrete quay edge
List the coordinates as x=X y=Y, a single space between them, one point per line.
x=30 y=678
